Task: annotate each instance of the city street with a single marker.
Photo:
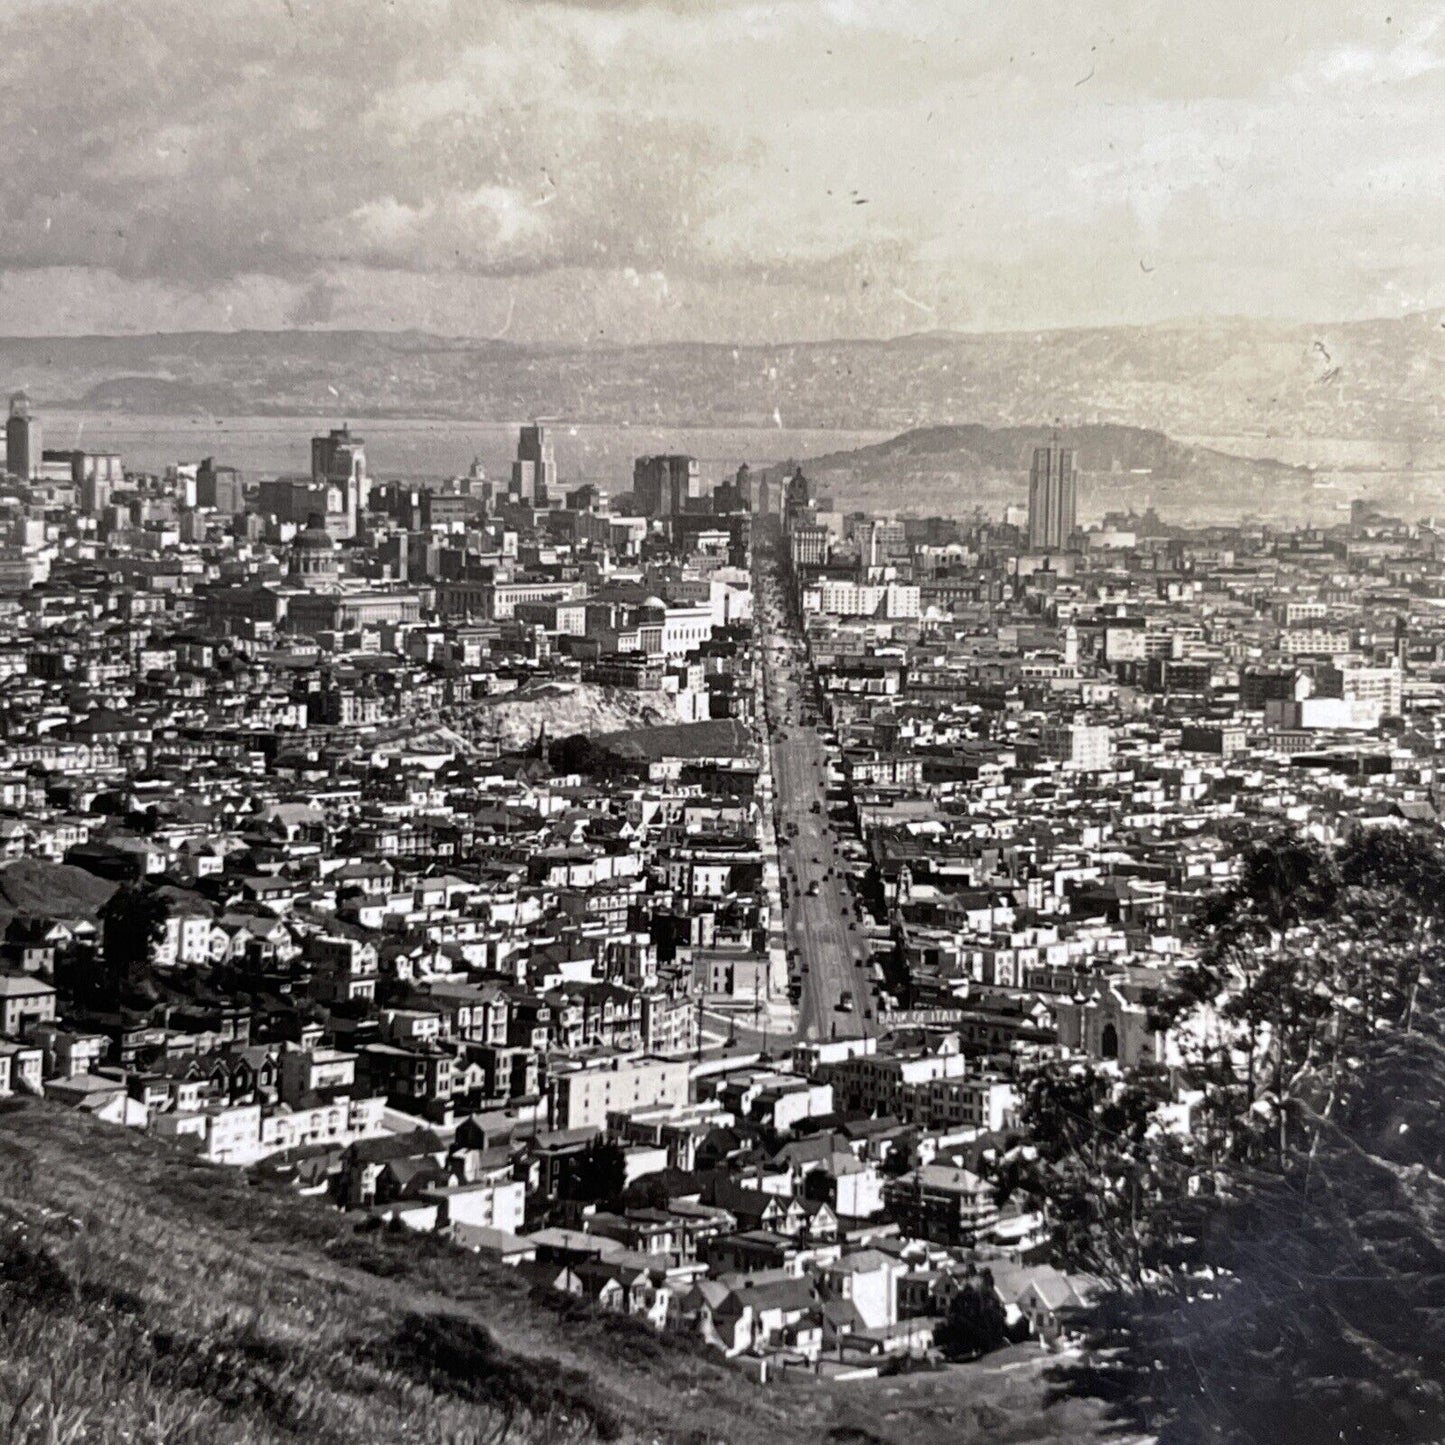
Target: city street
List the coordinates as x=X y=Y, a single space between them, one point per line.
x=826 y=942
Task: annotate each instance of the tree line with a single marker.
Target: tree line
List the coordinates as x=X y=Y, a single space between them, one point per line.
x=1268 y=1219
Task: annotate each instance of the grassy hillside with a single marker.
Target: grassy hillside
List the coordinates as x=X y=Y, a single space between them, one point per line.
x=60 y=890
x=1373 y=379
x=150 y=1299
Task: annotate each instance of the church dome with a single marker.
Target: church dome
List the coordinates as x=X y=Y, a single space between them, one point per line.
x=313 y=554
x=314 y=537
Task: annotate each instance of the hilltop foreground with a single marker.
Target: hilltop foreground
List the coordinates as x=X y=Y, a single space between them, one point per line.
x=145 y=1297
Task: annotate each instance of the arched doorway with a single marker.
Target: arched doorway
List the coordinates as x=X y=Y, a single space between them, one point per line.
x=1109 y=1042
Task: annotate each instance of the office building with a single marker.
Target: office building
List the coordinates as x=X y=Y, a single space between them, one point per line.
x=22 y=439
x=1380 y=687
x=808 y=545
x=338 y=460
x=534 y=473
x=96 y=476
x=1089 y=749
x=1053 y=497
x=735 y=495
x=223 y=488
x=665 y=486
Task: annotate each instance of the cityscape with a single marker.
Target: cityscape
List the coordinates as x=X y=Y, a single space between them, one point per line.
x=727 y=1020
x=722 y=722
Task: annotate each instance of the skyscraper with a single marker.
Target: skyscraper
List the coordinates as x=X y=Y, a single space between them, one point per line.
x=96 y=474
x=339 y=460
x=1053 y=497
x=534 y=473
x=22 y=439
x=665 y=486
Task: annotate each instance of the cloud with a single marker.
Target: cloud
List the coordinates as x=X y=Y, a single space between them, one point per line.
x=661 y=167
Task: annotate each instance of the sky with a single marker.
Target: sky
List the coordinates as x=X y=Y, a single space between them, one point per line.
x=618 y=171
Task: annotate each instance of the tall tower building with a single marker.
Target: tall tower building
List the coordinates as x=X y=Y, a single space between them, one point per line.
x=534 y=473
x=339 y=460
x=22 y=439
x=1053 y=497
x=96 y=475
x=665 y=486
x=744 y=484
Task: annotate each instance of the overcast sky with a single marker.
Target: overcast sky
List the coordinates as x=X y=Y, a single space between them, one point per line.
x=716 y=169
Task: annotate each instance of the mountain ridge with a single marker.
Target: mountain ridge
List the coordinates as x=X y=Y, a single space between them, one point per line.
x=1373 y=378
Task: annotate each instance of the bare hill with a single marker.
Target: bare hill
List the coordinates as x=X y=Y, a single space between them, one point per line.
x=951 y=469
x=568 y=708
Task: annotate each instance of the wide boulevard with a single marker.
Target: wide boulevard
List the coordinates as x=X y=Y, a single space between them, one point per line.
x=826 y=940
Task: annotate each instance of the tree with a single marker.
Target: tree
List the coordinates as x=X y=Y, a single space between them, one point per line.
x=1100 y=1167
x=134 y=921
x=1264 y=974
x=597 y=1174
x=1307 y=1299
x=1318 y=1312
x=1395 y=897
x=975 y=1323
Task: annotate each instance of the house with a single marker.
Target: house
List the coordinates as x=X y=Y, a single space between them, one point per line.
x=763 y=1210
x=68 y=1053
x=24 y=1001
x=767 y=1312
x=548 y=1275
x=695 y=1308
x=752 y=1251
x=480 y=1205
x=868 y=1280
x=363 y=1162
x=104 y=1097
x=1040 y=1294
x=22 y=1069
x=942 y=1203
x=615 y=1287
x=496 y=1245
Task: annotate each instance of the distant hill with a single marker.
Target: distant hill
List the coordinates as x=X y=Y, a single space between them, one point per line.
x=155 y=396
x=146 y=1296
x=1376 y=380
x=950 y=469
